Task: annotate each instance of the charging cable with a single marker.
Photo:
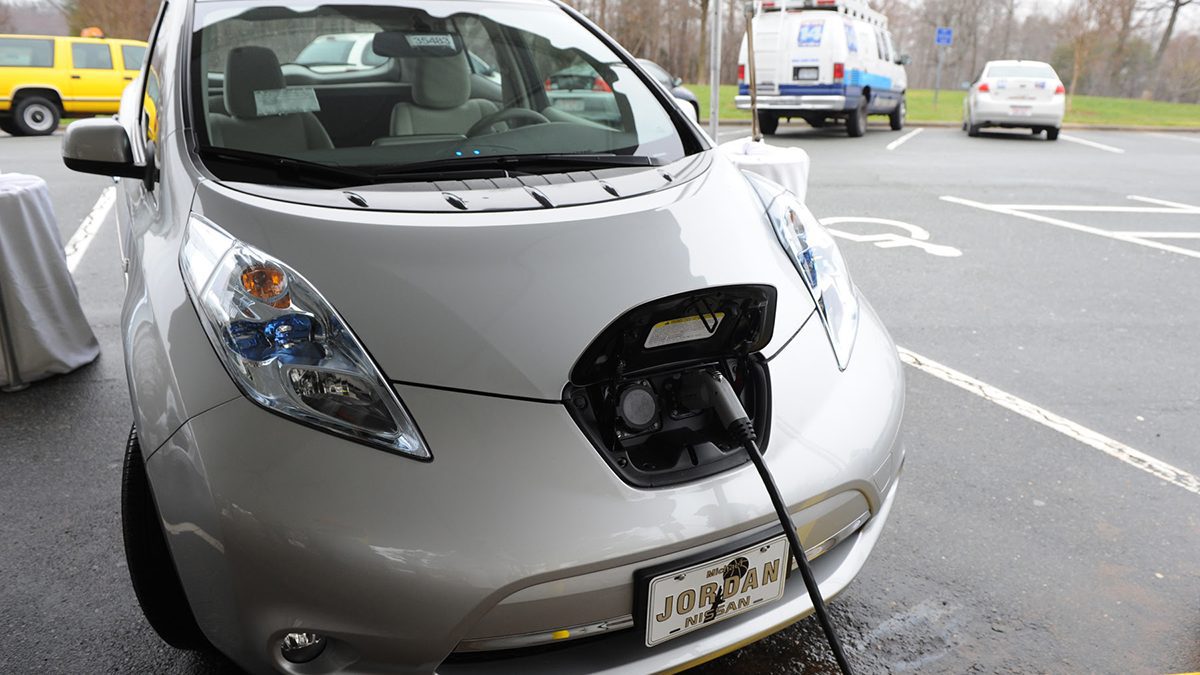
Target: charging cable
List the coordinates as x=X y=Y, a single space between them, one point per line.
x=710 y=389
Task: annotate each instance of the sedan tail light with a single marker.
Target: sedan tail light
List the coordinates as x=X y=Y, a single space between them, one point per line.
x=984 y=87
x=1060 y=89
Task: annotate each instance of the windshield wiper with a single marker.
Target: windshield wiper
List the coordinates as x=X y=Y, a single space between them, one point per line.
x=290 y=169
x=521 y=164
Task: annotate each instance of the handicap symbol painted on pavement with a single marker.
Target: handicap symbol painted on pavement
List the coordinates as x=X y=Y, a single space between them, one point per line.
x=914 y=236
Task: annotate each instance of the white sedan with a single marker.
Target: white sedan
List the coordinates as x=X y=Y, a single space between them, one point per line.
x=1016 y=95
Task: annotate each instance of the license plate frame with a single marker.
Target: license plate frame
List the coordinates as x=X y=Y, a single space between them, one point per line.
x=1021 y=110
x=695 y=574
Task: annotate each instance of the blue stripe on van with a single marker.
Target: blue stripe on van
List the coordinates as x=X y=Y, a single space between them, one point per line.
x=858 y=78
x=812 y=90
x=803 y=90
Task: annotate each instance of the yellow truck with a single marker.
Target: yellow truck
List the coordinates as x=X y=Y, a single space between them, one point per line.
x=44 y=78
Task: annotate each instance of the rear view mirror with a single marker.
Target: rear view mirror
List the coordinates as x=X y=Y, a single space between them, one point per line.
x=904 y=60
x=100 y=146
x=676 y=81
x=408 y=45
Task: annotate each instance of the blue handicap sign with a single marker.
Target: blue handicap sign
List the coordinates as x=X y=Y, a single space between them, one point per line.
x=945 y=37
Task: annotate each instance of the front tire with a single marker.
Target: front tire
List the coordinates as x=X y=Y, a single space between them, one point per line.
x=856 y=123
x=768 y=123
x=36 y=116
x=151 y=568
x=898 y=116
x=973 y=130
x=1052 y=133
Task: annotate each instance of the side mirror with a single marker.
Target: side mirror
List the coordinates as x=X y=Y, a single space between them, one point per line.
x=676 y=81
x=904 y=60
x=100 y=146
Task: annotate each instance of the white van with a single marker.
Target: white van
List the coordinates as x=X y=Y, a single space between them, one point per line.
x=823 y=60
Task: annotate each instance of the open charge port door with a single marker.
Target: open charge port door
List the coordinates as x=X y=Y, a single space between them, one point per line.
x=627 y=391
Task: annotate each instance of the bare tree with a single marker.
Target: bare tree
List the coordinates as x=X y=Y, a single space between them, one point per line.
x=6 y=25
x=1181 y=69
x=130 y=19
x=1174 y=6
x=1010 y=16
x=701 y=70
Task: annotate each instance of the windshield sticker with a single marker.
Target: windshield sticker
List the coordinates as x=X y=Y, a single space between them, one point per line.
x=439 y=41
x=286 y=101
x=687 y=329
x=810 y=33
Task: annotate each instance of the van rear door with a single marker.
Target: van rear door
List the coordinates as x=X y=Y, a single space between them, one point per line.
x=769 y=58
x=815 y=44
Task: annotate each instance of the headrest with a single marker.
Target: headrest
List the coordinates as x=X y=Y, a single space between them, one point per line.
x=441 y=82
x=247 y=70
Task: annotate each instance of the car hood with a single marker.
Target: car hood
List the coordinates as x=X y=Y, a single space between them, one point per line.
x=505 y=301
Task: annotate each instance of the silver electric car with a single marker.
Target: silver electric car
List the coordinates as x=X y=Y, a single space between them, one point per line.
x=412 y=352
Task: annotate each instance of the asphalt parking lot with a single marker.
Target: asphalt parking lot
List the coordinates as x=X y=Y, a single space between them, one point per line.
x=1045 y=295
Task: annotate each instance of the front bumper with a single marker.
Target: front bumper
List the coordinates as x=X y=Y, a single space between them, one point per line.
x=795 y=103
x=518 y=525
x=989 y=112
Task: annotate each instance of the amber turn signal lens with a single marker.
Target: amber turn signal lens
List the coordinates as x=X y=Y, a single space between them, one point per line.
x=267 y=283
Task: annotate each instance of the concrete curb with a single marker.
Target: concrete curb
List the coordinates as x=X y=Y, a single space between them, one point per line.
x=955 y=125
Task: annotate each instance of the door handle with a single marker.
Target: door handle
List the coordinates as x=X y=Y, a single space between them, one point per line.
x=129 y=79
x=74 y=77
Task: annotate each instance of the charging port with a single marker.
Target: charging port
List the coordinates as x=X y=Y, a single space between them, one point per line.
x=630 y=391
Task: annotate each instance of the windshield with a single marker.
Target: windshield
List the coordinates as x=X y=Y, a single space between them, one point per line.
x=451 y=80
x=1038 y=70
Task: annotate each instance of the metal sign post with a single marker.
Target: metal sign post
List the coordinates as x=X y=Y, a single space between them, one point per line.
x=714 y=72
x=943 y=39
x=751 y=74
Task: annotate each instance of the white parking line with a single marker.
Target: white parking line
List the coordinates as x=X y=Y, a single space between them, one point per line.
x=82 y=239
x=1174 y=205
x=1135 y=458
x=1179 y=136
x=1161 y=235
x=1119 y=236
x=901 y=141
x=1092 y=144
x=1164 y=206
x=1098 y=209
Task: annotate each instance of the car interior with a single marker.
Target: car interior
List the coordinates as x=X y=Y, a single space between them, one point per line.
x=445 y=87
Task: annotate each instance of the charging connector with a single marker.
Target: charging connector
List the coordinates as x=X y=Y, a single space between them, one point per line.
x=710 y=389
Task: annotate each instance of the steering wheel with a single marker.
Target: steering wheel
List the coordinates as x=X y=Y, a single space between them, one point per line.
x=506 y=115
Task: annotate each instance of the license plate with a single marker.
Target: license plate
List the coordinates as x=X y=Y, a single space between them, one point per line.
x=804 y=73
x=682 y=601
x=570 y=104
x=1022 y=111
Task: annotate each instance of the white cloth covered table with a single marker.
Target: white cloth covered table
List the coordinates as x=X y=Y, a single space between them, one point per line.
x=49 y=333
x=786 y=166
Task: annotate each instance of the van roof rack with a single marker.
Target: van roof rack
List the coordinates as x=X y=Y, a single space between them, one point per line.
x=858 y=9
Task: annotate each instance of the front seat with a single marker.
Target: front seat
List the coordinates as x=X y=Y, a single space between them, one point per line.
x=442 y=103
x=254 y=69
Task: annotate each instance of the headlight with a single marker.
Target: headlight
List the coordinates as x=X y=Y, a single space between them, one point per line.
x=818 y=260
x=286 y=347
